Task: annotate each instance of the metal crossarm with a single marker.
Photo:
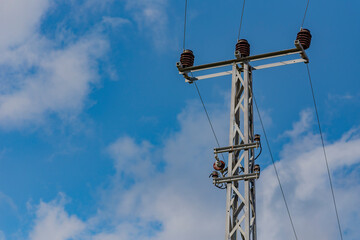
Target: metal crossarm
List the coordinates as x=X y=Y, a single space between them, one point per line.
x=297 y=50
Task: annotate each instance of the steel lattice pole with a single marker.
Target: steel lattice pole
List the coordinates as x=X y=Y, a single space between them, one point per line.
x=240 y=195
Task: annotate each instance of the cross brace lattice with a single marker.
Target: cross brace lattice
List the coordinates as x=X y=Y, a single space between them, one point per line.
x=240 y=195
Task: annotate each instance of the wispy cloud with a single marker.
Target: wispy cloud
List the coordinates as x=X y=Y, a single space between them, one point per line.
x=342 y=97
x=57 y=81
x=304 y=177
x=53 y=222
x=151 y=17
x=302 y=126
x=39 y=77
x=115 y=21
x=8 y=201
x=15 y=29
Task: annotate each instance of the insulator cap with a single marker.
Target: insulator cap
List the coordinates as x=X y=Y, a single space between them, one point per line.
x=187 y=58
x=257 y=138
x=257 y=168
x=243 y=47
x=219 y=165
x=304 y=38
x=215 y=174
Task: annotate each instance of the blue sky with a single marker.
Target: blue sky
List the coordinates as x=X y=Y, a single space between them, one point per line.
x=102 y=139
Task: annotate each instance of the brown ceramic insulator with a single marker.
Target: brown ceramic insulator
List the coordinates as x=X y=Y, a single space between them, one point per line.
x=243 y=47
x=219 y=165
x=257 y=168
x=304 y=38
x=257 y=138
x=187 y=58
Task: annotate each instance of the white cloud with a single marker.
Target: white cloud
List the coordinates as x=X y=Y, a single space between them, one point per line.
x=151 y=18
x=301 y=126
x=60 y=81
x=131 y=159
x=6 y=199
x=189 y=207
x=43 y=77
x=342 y=97
x=115 y=21
x=53 y=222
x=19 y=19
x=179 y=201
x=175 y=200
x=304 y=177
x=96 y=5
x=40 y=77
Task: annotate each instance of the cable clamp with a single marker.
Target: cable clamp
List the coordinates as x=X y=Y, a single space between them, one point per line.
x=239 y=147
x=243 y=177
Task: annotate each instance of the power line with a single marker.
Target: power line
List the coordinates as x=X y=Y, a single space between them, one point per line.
x=321 y=136
x=242 y=14
x=307 y=5
x=276 y=172
x=208 y=117
x=197 y=89
x=185 y=24
x=325 y=156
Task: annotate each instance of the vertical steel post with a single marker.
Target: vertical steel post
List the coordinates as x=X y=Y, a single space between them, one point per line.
x=240 y=195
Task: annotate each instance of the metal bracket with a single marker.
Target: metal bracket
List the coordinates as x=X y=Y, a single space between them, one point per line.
x=243 y=177
x=241 y=60
x=236 y=147
x=302 y=53
x=185 y=73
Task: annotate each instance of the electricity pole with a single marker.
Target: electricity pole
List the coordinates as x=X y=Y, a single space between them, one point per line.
x=241 y=172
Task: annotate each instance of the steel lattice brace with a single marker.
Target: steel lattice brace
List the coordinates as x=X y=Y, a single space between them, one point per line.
x=240 y=195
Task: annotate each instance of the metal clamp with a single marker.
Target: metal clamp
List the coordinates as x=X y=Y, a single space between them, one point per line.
x=237 y=147
x=302 y=53
x=243 y=177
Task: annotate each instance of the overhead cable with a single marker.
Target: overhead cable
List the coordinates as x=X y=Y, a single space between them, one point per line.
x=185 y=24
x=307 y=6
x=276 y=172
x=325 y=156
x=197 y=89
x=208 y=118
x=242 y=14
